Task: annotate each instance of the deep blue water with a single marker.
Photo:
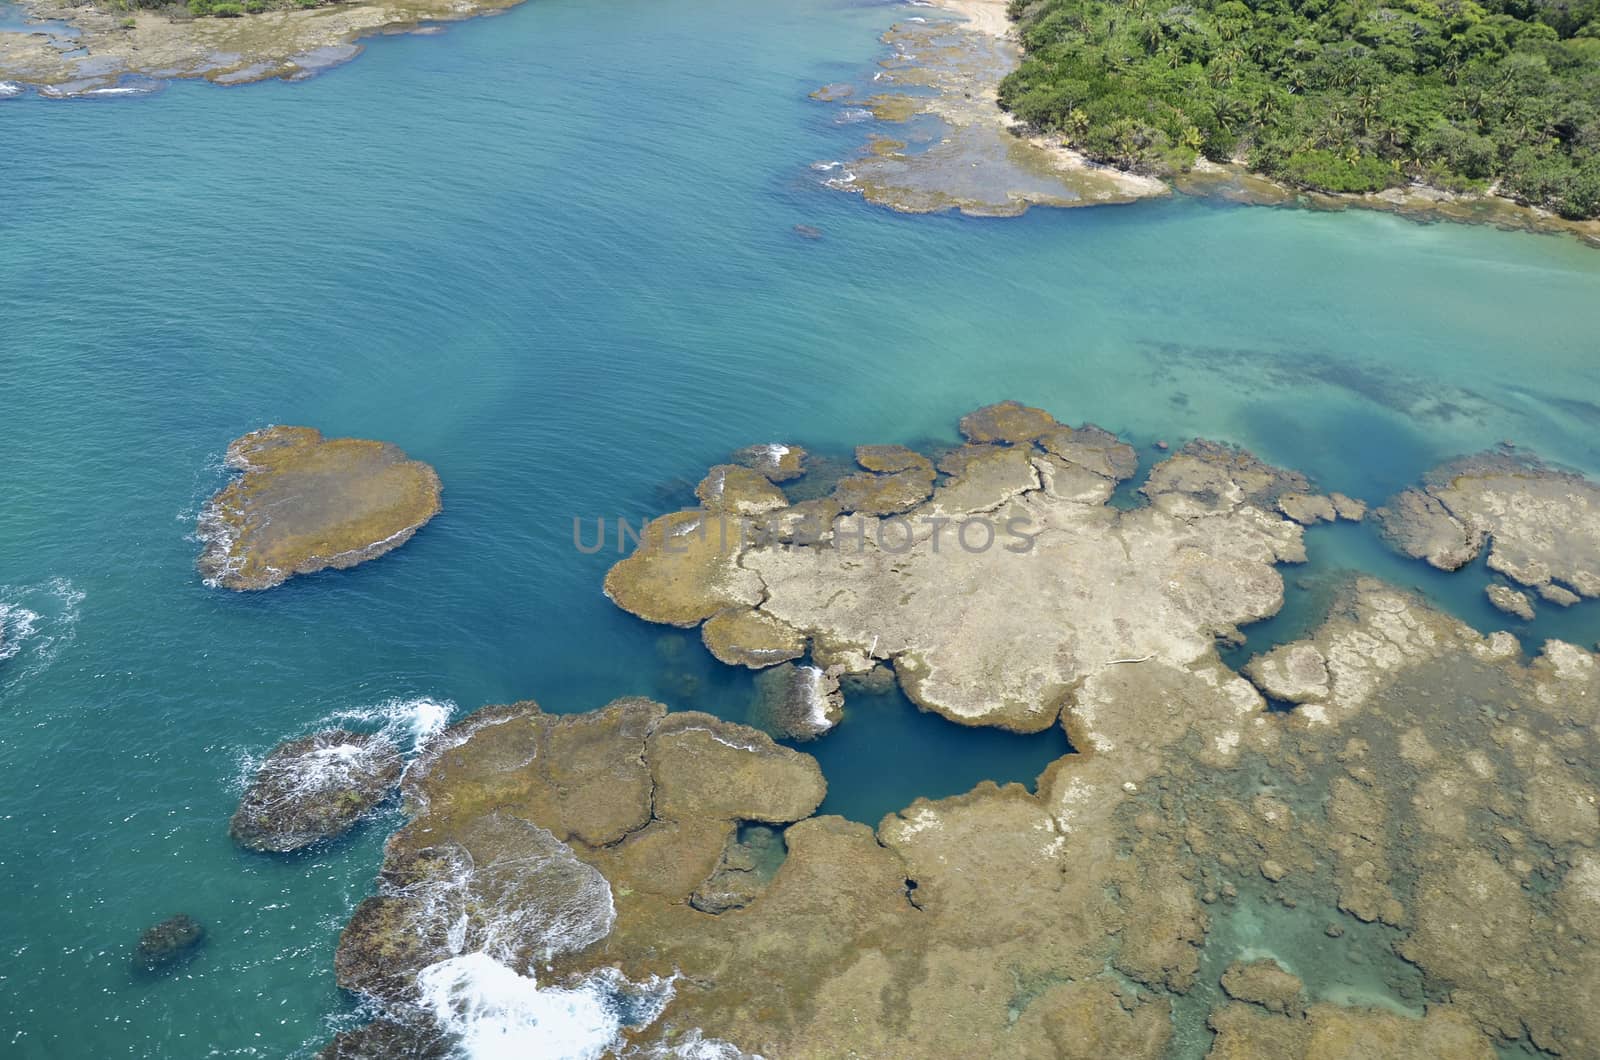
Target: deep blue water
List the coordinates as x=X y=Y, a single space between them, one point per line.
x=552 y=254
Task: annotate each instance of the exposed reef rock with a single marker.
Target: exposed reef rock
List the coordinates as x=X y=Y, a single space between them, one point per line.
x=1350 y=510
x=743 y=636
x=1542 y=525
x=1433 y=797
x=169 y=941
x=1264 y=983
x=796 y=702
x=997 y=590
x=1329 y=1032
x=748 y=864
x=1511 y=602
x=776 y=461
x=305 y=503
x=315 y=788
x=1307 y=510
x=739 y=490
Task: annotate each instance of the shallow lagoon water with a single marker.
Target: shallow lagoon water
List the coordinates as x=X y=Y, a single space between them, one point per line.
x=558 y=263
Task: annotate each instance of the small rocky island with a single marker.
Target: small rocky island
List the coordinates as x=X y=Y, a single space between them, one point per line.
x=304 y=503
x=1412 y=806
x=315 y=788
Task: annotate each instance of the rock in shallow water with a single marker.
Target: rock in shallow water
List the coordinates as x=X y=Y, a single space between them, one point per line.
x=315 y=788
x=173 y=938
x=305 y=503
x=1511 y=602
x=796 y=702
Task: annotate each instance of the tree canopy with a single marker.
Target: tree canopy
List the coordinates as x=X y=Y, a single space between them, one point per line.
x=1335 y=95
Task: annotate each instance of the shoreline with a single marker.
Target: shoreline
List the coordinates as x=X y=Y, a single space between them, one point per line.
x=1234 y=182
x=88 y=52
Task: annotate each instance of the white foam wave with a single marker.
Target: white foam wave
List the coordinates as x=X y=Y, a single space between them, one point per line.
x=543 y=902
x=853 y=116
x=497 y=1014
x=410 y=724
x=36 y=623
x=816 y=698
x=694 y=1045
x=10 y=90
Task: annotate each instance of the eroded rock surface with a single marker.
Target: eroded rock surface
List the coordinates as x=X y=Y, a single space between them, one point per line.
x=315 y=788
x=1542 y=525
x=304 y=503
x=1434 y=795
x=998 y=589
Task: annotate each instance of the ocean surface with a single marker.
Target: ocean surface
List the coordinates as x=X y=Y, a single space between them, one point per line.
x=553 y=254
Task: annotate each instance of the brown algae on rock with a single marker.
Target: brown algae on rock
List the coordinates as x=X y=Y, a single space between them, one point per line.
x=303 y=503
x=1076 y=921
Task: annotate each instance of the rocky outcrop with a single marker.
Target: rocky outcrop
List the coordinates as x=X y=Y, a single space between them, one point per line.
x=171 y=940
x=304 y=503
x=999 y=588
x=1264 y=983
x=1329 y=1032
x=796 y=702
x=1077 y=919
x=315 y=788
x=1542 y=525
x=778 y=462
x=1511 y=602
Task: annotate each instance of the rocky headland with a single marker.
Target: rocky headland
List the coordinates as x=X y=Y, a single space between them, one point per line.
x=314 y=789
x=975 y=162
x=304 y=503
x=981 y=161
x=99 y=49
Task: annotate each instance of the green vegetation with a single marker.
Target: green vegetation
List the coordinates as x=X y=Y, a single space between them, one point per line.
x=1335 y=95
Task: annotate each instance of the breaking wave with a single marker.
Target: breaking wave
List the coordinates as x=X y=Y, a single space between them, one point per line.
x=36 y=623
x=497 y=1014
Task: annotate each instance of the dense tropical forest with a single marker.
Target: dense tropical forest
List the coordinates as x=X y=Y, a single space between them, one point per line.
x=1335 y=95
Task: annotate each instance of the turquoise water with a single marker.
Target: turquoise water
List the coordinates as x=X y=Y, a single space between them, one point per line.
x=557 y=262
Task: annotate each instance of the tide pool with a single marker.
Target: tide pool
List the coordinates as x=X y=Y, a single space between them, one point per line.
x=553 y=254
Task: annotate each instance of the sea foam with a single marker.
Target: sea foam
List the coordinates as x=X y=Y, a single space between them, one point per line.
x=496 y=1013
x=36 y=623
